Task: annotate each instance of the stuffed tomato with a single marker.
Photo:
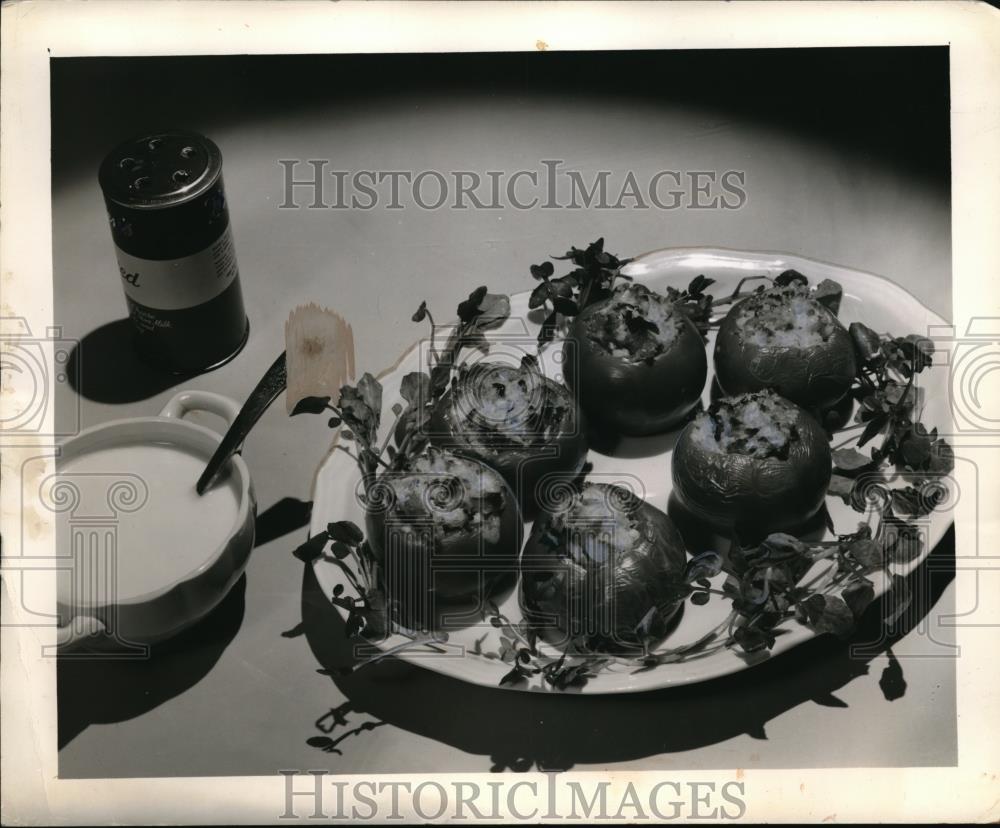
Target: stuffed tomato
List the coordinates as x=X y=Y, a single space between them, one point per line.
x=600 y=571
x=515 y=420
x=636 y=361
x=443 y=530
x=756 y=463
x=784 y=339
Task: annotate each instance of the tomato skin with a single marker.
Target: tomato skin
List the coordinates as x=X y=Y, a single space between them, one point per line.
x=634 y=399
x=754 y=495
x=814 y=377
x=528 y=471
x=566 y=599
x=437 y=571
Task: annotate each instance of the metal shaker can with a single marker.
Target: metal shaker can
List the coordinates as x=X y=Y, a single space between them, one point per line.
x=176 y=261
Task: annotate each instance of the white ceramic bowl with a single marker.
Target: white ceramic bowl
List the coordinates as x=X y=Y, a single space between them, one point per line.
x=113 y=580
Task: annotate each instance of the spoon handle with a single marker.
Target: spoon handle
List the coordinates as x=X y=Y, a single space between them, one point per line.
x=271 y=384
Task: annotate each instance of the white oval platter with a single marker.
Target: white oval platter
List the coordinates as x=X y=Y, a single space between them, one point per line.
x=644 y=466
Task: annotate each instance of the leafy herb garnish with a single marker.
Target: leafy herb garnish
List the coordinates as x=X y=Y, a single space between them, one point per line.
x=519 y=649
x=342 y=540
x=480 y=312
x=372 y=615
x=593 y=280
x=694 y=302
x=590 y=281
x=765 y=586
x=887 y=400
x=358 y=411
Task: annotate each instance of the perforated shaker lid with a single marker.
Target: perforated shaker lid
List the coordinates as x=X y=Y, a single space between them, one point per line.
x=160 y=169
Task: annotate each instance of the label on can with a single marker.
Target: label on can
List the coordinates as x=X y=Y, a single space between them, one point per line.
x=174 y=284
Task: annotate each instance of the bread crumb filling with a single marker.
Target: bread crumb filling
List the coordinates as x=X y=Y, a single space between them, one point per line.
x=510 y=407
x=596 y=525
x=760 y=424
x=786 y=316
x=448 y=493
x=635 y=324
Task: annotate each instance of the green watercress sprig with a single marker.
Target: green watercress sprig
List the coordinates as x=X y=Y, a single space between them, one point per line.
x=480 y=312
x=371 y=616
x=593 y=280
x=887 y=400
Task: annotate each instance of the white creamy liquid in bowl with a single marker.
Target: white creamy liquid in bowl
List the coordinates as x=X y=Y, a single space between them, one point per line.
x=137 y=526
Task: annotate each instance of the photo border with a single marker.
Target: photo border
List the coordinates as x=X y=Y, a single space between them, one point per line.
x=34 y=32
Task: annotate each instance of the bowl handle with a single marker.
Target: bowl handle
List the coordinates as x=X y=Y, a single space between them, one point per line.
x=185 y=401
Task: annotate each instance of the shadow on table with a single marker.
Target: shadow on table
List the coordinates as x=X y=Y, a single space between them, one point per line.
x=104 y=367
x=281 y=517
x=102 y=691
x=524 y=731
